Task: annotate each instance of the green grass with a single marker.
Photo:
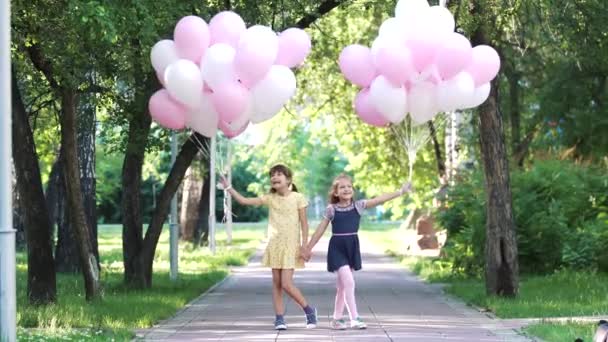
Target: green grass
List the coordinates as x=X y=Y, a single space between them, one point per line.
x=565 y=293
x=122 y=309
x=568 y=332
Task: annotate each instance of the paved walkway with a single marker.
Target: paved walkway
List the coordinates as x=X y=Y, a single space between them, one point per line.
x=394 y=303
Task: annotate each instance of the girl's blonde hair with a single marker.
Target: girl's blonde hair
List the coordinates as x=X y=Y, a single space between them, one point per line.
x=280 y=168
x=333 y=199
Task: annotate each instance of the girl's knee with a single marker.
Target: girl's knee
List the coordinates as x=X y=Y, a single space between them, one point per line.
x=286 y=285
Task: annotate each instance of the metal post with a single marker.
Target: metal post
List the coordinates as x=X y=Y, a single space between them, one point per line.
x=229 y=197
x=212 y=195
x=173 y=227
x=8 y=305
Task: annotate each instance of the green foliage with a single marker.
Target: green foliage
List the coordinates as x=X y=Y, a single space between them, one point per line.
x=560 y=211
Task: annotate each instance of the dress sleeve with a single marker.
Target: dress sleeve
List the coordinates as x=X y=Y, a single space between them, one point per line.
x=302 y=201
x=360 y=206
x=329 y=213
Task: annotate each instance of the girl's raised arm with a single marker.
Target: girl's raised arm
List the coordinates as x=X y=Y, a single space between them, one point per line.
x=238 y=197
x=406 y=188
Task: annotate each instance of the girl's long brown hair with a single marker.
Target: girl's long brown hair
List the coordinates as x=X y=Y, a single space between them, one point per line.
x=280 y=168
x=333 y=199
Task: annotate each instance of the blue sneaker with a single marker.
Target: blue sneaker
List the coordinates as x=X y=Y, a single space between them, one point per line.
x=280 y=324
x=311 y=319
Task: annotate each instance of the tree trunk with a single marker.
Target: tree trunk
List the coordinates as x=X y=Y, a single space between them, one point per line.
x=41 y=283
x=53 y=188
x=86 y=155
x=78 y=219
x=191 y=195
x=132 y=221
x=501 y=266
x=66 y=252
x=437 y=148
x=176 y=175
x=17 y=214
x=201 y=237
x=67 y=256
x=514 y=111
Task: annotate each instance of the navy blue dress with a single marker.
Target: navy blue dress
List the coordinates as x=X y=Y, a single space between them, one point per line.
x=344 y=243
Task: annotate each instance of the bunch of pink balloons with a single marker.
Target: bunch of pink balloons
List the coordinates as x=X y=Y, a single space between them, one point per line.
x=418 y=65
x=223 y=74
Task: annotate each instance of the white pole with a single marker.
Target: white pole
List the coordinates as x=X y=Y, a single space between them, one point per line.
x=8 y=305
x=173 y=228
x=229 y=197
x=212 y=195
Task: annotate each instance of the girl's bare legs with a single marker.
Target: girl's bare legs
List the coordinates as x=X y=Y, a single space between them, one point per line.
x=277 y=292
x=288 y=286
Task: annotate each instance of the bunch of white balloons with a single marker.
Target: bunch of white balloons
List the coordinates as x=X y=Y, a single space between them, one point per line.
x=223 y=74
x=418 y=65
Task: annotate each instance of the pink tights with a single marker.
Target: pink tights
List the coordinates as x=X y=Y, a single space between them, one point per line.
x=345 y=294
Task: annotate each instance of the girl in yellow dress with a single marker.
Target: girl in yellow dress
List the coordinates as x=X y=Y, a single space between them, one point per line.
x=287 y=238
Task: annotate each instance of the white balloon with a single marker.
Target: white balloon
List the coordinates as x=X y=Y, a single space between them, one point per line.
x=456 y=92
x=389 y=100
x=260 y=35
x=204 y=119
x=391 y=28
x=379 y=43
x=217 y=65
x=441 y=19
x=423 y=102
x=184 y=82
x=480 y=95
x=407 y=10
x=272 y=92
x=163 y=53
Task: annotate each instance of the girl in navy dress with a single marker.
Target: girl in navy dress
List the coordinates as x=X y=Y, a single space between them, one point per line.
x=343 y=255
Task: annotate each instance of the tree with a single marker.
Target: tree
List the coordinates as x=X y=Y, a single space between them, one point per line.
x=41 y=283
x=501 y=266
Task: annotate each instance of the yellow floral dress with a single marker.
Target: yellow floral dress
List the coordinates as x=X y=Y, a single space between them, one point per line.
x=284 y=230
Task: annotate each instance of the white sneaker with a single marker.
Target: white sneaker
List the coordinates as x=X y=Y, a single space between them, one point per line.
x=358 y=323
x=338 y=324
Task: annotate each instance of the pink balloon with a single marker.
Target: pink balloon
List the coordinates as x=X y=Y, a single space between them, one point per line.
x=226 y=27
x=366 y=110
x=256 y=52
x=454 y=55
x=485 y=64
x=294 y=46
x=395 y=63
x=229 y=133
x=230 y=100
x=191 y=38
x=357 y=65
x=424 y=51
x=165 y=111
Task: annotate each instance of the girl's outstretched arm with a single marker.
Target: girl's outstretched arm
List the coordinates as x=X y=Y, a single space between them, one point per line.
x=238 y=197
x=406 y=188
x=318 y=233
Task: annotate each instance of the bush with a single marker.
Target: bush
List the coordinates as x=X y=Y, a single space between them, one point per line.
x=560 y=210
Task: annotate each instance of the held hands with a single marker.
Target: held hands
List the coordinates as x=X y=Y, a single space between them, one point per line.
x=305 y=253
x=406 y=188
